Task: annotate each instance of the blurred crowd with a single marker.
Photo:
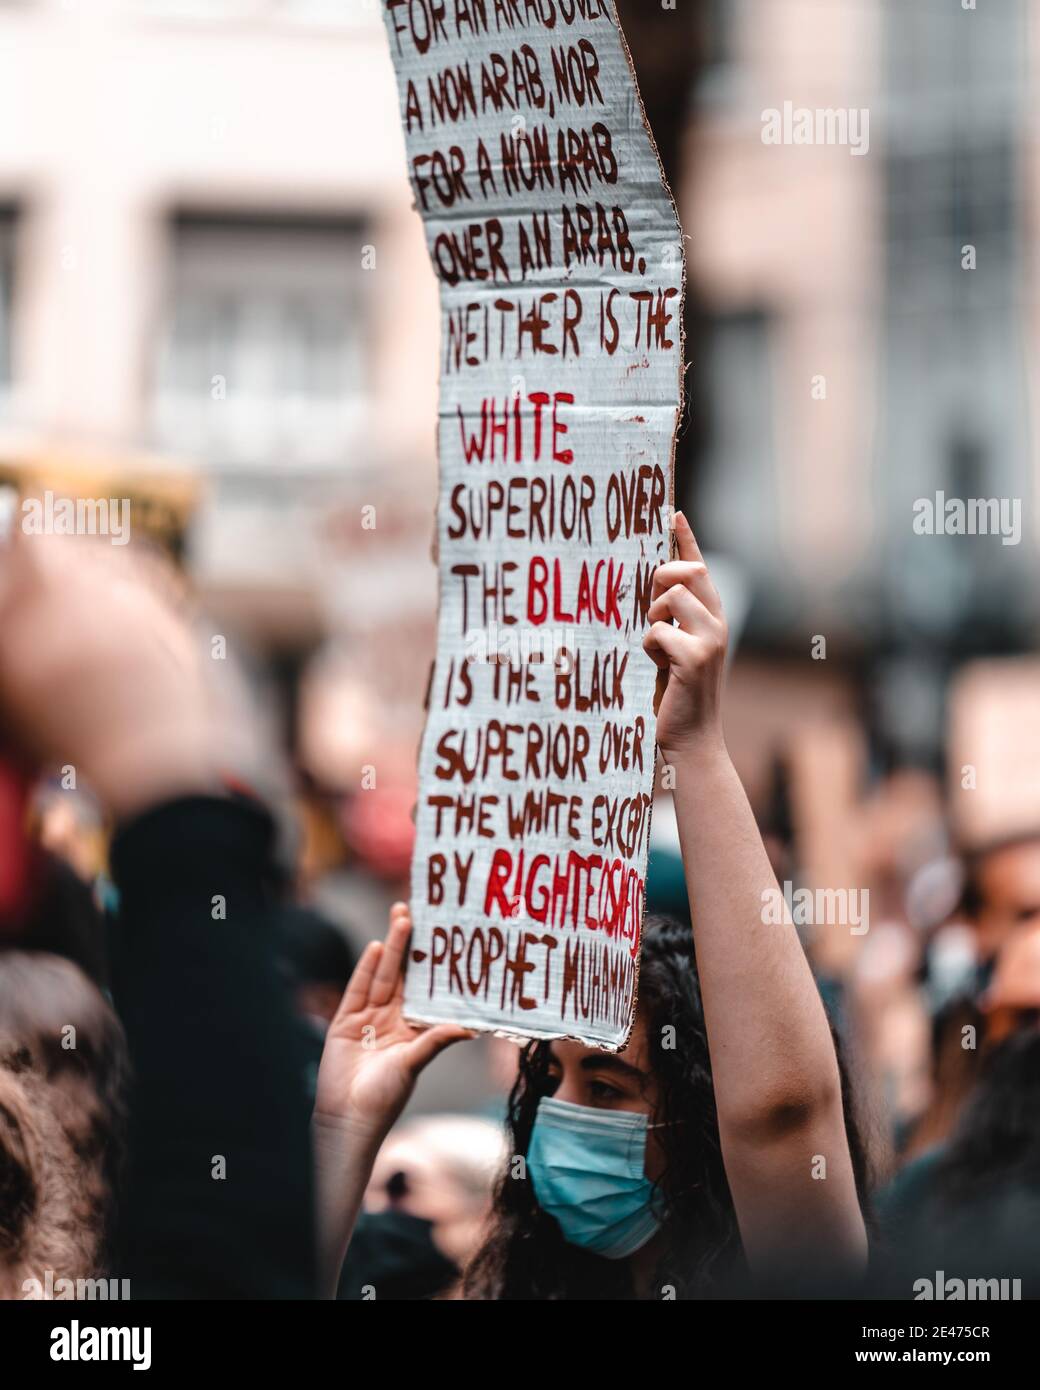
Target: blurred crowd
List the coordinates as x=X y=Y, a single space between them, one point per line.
x=191 y=957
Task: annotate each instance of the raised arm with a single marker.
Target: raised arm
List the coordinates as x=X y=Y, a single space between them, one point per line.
x=777 y=1084
x=97 y=671
x=369 y=1067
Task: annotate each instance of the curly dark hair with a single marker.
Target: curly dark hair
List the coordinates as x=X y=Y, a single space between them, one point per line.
x=63 y=1091
x=996 y=1144
x=525 y=1255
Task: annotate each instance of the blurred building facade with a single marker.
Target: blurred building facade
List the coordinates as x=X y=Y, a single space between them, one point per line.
x=208 y=257
x=871 y=333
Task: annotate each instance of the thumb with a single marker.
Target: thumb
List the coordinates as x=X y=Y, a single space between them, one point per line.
x=427 y=1045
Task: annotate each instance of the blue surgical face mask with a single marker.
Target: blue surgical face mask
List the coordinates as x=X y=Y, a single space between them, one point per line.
x=588 y=1171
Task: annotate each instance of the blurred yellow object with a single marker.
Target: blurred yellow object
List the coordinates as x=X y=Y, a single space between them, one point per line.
x=163 y=495
x=71 y=828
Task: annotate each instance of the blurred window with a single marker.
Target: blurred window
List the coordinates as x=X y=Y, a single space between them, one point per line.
x=261 y=359
x=955 y=94
x=739 y=460
x=942 y=199
x=937 y=52
x=955 y=414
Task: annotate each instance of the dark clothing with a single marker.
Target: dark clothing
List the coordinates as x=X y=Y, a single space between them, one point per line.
x=990 y=1232
x=219 y=1196
x=393 y=1255
x=911 y=1190
x=65 y=920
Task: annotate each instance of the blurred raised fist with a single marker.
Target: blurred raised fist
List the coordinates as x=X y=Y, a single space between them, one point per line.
x=98 y=671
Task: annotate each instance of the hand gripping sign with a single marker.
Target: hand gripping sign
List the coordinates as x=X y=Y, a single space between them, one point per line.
x=555 y=241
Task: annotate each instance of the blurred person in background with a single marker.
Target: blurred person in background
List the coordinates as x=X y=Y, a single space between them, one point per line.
x=1001 y=893
x=896 y=831
x=953 y=1069
x=1000 y=898
x=97 y=671
x=318 y=960
x=426 y=1208
x=972 y=1206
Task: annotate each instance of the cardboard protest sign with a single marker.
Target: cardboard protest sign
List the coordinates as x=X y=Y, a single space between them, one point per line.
x=558 y=252
x=994 y=750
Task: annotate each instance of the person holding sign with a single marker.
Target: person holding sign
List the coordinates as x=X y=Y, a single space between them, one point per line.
x=718 y=1142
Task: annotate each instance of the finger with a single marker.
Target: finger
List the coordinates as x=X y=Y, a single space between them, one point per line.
x=391 y=965
x=663 y=644
x=673 y=572
x=686 y=540
x=400 y=911
x=693 y=574
x=427 y=1045
x=680 y=604
x=398 y=994
x=359 y=986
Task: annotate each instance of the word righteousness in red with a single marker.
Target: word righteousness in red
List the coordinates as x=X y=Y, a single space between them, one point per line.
x=602 y=894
